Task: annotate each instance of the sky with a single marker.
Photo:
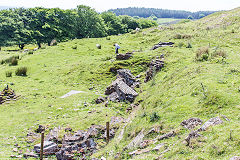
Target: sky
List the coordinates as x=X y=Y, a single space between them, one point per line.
x=103 y=5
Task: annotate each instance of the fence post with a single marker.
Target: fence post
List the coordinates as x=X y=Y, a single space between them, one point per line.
x=42 y=143
x=107 y=127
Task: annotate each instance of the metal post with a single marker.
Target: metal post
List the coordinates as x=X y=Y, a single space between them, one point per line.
x=107 y=127
x=42 y=143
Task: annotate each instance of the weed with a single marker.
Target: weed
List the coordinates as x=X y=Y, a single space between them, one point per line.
x=180 y=45
x=74 y=47
x=14 y=62
x=202 y=54
x=220 y=53
x=8 y=74
x=22 y=71
x=189 y=45
x=30 y=52
x=154 y=117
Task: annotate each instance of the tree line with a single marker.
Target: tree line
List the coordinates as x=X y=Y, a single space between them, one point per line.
x=160 y=13
x=21 y=26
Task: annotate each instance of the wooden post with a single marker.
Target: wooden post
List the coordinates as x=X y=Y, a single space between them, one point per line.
x=107 y=127
x=42 y=143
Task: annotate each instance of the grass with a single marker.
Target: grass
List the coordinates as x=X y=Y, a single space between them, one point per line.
x=166 y=20
x=176 y=94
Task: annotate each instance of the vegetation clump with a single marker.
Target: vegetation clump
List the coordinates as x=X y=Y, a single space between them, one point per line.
x=8 y=74
x=22 y=71
x=202 y=54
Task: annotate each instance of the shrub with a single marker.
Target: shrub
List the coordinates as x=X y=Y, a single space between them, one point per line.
x=180 y=44
x=202 y=54
x=189 y=45
x=154 y=117
x=108 y=38
x=9 y=60
x=74 y=47
x=220 y=53
x=8 y=74
x=14 y=62
x=22 y=71
x=182 y=36
x=30 y=52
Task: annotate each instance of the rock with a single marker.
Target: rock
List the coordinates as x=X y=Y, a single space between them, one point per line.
x=235 y=158
x=193 y=134
x=138 y=152
x=123 y=56
x=120 y=91
x=49 y=148
x=31 y=154
x=136 y=141
x=116 y=120
x=154 y=66
x=103 y=158
x=145 y=143
x=162 y=44
x=98 y=46
x=53 y=135
x=100 y=100
x=166 y=136
x=53 y=42
x=158 y=147
x=211 y=122
x=191 y=123
x=68 y=130
x=126 y=76
x=15 y=149
x=13 y=156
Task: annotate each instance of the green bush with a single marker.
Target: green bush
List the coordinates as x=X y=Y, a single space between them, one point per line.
x=8 y=74
x=180 y=45
x=30 y=52
x=220 y=53
x=202 y=54
x=189 y=45
x=154 y=117
x=74 y=47
x=9 y=60
x=14 y=62
x=22 y=71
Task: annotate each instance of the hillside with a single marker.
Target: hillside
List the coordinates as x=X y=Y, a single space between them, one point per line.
x=201 y=87
x=160 y=13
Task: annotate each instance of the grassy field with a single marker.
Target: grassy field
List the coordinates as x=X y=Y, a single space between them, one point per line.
x=166 y=20
x=175 y=93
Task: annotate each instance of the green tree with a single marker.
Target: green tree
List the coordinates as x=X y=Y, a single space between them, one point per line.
x=89 y=23
x=113 y=23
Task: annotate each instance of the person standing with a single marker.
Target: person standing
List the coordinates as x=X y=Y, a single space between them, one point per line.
x=116 y=48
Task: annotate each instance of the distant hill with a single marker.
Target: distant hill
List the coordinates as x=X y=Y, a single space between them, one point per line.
x=160 y=13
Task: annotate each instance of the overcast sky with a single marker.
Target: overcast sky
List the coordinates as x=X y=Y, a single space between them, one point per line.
x=103 y=5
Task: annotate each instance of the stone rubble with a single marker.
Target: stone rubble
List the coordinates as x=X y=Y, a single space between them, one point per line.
x=191 y=123
x=81 y=143
x=122 y=89
x=162 y=44
x=7 y=95
x=154 y=66
x=194 y=134
x=124 y=56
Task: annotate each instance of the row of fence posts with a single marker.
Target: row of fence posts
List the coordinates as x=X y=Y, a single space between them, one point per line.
x=42 y=140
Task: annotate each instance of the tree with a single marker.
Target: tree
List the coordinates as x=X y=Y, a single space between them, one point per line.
x=190 y=17
x=113 y=23
x=201 y=16
x=89 y=23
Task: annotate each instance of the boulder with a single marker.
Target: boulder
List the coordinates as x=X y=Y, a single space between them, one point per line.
x=191 y=123
x=100 y=100
x=49 y=148
x=211 y=122
x=162 y=44
x=136 y=141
